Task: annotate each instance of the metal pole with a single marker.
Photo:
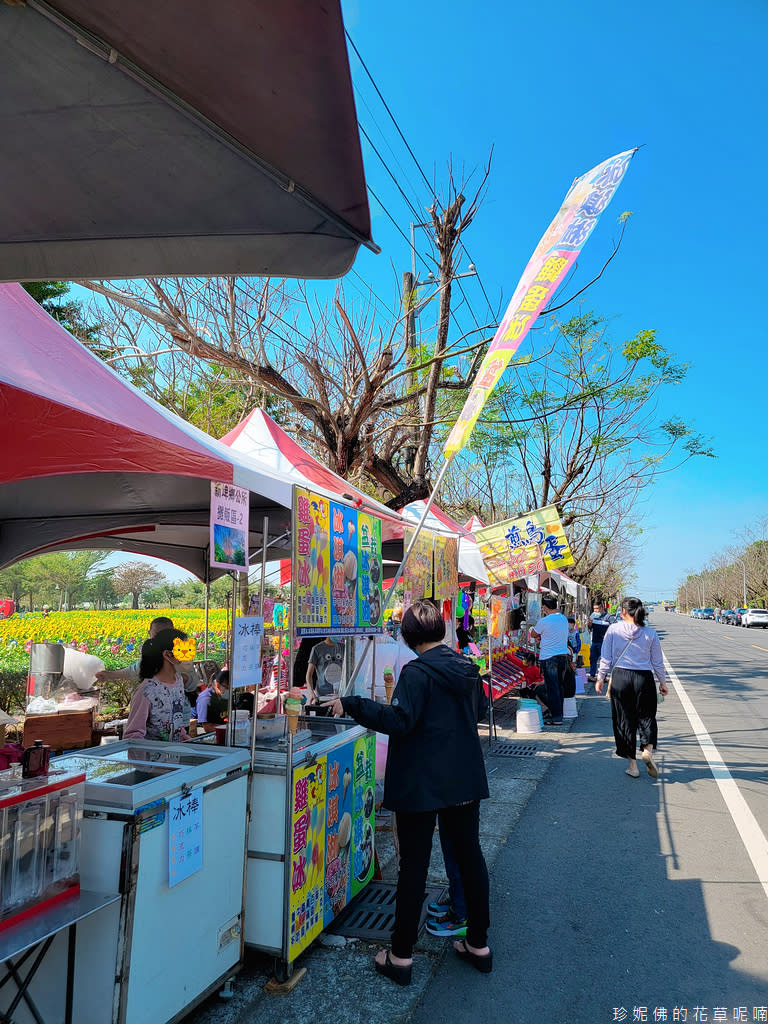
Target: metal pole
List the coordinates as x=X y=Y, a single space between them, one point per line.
x=490 y=684
x=230 y=652
x=207 y=608
x=744 y=572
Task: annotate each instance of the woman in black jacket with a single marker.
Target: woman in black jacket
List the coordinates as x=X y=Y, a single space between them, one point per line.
x=434 y=763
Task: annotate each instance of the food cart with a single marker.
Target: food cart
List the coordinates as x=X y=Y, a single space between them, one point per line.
x=155 y=815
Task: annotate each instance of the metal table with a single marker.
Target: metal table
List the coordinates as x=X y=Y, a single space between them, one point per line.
x=31 y=939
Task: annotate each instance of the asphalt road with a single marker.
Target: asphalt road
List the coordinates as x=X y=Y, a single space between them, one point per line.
x=620 y=899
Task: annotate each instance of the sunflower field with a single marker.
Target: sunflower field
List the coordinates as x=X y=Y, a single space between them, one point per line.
x=114 y=636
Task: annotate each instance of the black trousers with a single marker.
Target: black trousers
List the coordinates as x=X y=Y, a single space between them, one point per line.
x=633 y=710
x=414 y=831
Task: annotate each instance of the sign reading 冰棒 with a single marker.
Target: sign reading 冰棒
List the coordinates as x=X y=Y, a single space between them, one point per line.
x=247 y=636
x=185 y=836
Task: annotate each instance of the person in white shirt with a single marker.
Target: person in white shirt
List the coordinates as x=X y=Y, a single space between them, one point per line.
x=632 y=656
x=552 y=633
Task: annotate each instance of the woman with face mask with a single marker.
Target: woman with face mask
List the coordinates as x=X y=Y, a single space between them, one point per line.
x=159 y=707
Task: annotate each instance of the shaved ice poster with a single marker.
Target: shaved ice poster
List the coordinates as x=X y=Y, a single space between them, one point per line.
x=229 y=527
x=338 y=570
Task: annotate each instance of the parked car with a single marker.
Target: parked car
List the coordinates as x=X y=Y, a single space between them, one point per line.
x=731 y=617
x=706 y=613
x=694 y=613
x=741 y=612
x=755 y=617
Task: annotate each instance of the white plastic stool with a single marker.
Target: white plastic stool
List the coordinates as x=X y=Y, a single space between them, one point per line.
x=569 y=707
x=528 y=720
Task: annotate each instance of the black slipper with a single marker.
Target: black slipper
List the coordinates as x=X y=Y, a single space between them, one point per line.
x=400 y=975
x=484 y=964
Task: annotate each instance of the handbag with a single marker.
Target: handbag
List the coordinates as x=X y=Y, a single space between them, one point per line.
x=613 y=666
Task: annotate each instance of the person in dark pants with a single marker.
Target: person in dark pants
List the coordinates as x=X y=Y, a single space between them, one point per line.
x=632 y=655
x=434 y=764
x=552 y=633
x=599 y=622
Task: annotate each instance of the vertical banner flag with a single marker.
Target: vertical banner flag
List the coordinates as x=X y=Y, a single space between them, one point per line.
x=552 y=259
x=229 y=527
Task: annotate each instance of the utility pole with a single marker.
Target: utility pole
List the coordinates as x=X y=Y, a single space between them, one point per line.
x=409 y=307
x=744 y=579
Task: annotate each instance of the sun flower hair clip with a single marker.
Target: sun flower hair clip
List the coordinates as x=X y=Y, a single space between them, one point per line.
x=184 y=650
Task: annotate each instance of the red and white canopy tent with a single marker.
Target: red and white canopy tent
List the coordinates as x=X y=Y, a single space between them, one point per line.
x=90 y=462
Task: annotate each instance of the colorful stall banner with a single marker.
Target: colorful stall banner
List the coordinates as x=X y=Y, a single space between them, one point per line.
x=533 y=543
x=417 y=574
x=312 y=557
x=185 y=836
x=371 y=570
x=247 y=637
x=349 y=826
x=338 y=568
x=345 y=567
x=229 y=527
x=553 y=257
x=306 y=903
x=446 y=561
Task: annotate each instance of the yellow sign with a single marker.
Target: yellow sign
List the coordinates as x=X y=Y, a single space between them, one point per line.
x=446 y=567
x=307 y=857
x=417 y=574
x=533 y=543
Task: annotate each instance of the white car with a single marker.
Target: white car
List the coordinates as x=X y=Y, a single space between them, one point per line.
x=755 y=617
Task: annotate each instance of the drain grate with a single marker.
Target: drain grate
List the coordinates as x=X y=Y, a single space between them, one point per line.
x=505 y=749
x=371 y=914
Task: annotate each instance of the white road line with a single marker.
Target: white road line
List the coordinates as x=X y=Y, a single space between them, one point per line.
x=759 y=648
x=751 y=834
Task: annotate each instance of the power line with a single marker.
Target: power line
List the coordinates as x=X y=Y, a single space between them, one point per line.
x=392 y=116
x=391 y=173
x=386 y=142
x=407 y=239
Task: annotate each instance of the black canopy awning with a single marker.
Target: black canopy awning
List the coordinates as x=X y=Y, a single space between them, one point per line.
x=177 y=137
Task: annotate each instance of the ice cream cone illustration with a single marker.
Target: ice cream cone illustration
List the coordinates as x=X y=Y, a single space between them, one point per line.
x=389 y=682
x=346 y=779
x=292 y=707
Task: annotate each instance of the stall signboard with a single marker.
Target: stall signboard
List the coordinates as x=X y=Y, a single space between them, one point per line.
x=229 y=527
x=533 y=543
x=312 y=557
x=552 y=259
x=417 y=574
x=349 y=823
x=185 y=836
x=498 y=619
x=446 y=568
x=371 y=571
x=338 y=568
x=306 y=902
x=247 y=637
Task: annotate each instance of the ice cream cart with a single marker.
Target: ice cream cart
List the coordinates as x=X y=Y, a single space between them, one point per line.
x=163 y=826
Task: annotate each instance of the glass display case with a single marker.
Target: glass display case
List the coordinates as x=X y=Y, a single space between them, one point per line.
x=40 y=823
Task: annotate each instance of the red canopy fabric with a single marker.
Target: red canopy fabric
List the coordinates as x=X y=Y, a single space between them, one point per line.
x=88 y=461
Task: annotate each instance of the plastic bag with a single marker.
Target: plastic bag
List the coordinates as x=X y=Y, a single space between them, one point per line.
x=81 y=668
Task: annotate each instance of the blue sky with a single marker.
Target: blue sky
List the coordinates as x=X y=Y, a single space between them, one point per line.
x=555 y=89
